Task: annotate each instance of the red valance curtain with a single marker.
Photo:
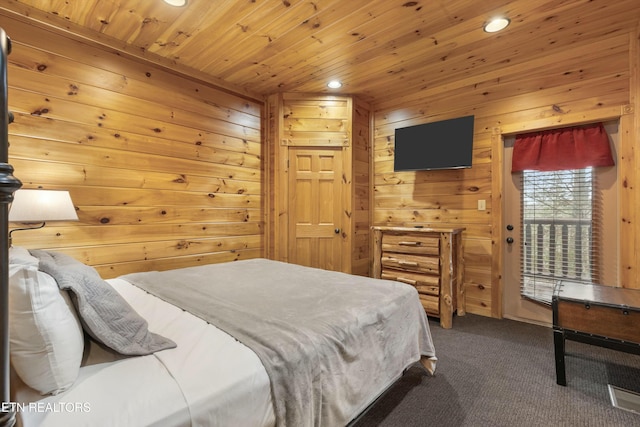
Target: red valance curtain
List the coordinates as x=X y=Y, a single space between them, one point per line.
x=562 y=149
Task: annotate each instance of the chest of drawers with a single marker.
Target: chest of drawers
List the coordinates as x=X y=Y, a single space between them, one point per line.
x=430 y=259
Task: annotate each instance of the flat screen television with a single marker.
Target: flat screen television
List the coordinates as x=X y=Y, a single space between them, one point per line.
x=447 y=144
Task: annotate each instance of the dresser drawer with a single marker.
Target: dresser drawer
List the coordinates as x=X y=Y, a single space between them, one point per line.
x=425 y=283
x=411 y=244
x=430 y=304
x=412 y=263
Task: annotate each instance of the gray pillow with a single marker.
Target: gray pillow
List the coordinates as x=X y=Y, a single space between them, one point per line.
x=105 y=315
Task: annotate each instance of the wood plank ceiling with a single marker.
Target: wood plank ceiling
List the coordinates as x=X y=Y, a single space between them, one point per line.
x=380 y=49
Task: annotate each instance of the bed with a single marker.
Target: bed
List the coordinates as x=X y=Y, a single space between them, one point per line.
x=246 y=343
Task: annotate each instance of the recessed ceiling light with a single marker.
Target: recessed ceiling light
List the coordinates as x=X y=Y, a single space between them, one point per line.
x=176 y=2
x=334 y=84
x=496 y=25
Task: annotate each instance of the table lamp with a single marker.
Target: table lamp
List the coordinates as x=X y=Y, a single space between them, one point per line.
x=39 y=206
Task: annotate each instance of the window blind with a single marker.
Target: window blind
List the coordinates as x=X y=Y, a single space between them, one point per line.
x=561 y=225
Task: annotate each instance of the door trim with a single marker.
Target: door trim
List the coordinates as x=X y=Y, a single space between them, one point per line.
x=277 y=181
x=497 y=181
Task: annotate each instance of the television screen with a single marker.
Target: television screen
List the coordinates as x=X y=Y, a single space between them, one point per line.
x=446 y=144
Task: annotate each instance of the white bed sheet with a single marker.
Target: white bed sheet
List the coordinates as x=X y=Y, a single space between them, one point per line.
x=208 y=379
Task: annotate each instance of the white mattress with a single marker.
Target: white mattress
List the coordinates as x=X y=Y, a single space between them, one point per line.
x=208 y=379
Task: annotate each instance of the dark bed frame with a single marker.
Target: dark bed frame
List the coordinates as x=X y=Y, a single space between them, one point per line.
x=8 y=185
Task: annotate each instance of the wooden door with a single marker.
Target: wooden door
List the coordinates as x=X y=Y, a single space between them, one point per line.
x=315 y=207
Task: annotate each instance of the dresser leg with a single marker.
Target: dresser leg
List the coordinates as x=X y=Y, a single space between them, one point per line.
x=558 y=344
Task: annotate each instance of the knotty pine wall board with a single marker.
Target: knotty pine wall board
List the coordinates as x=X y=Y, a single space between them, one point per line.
x=361 y=258
x=164 y=171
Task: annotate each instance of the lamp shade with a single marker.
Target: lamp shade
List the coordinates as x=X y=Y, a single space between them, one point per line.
x=31 y=206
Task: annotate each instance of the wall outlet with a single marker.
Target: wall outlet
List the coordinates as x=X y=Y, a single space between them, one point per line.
x=482 y=205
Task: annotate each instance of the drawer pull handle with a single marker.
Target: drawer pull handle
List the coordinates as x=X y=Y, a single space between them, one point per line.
x=409 y=243
x=408 y=263
x=407 y=281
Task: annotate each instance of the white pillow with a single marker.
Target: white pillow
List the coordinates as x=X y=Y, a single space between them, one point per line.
x=46 y=339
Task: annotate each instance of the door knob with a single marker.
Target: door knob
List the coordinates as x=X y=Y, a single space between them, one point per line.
x=510 y=227
x=509 y=240
x=337 y=231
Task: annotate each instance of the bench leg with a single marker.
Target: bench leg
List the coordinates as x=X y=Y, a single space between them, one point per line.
x=558 y=344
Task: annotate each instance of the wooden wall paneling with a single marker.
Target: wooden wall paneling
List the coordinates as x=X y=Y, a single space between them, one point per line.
x=119 y=269
x=280 y=176
x=57 y=174
x=269 y=159
x=360 y=230
x=117 y=215
x=348 y=189
x=325 y=124
x=557 y=100
x=606 y=113
x=497 y=225
x=210 y=147
x=370 y=179
x=66 y=235
x=478 y=185
x=108 y=157
x=43 y=105
x=452 y=201
x=165 y=171
x=478 y=290
x=423 y=216
x=628 y=173
x=425 y=178
x=69 y=78
x=139 y=252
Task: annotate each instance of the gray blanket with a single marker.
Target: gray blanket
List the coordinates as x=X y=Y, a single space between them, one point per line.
x=330 y=342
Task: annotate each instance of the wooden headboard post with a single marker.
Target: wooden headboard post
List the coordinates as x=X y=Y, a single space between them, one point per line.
x=8 y=185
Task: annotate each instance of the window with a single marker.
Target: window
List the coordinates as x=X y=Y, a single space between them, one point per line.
x=561 y=206
x=561 y=230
